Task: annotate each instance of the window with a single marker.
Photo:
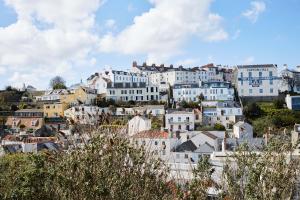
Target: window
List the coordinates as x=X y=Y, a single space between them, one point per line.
x=179 y=127
x=177 y=156
x=270 y=73
x=155 y=143
x=179 y=119
x=187 y=127
x=250 y=74
x=260 y=74
x=250 y=91
x=261 y=91
x=271 y=90
x=186 y=156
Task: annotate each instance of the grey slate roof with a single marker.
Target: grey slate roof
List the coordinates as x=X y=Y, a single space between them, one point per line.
x=186 y=146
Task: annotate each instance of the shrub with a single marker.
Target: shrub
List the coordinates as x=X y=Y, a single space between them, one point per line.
x=219 y=127
x=278 y=104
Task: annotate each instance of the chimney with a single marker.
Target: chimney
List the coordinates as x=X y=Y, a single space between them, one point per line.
x=144 y=64
x=134 y=64
x=171 y=66
x=224 y=144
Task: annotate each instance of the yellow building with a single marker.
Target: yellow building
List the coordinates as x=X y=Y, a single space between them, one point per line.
x=55 y=109
x=79 y=95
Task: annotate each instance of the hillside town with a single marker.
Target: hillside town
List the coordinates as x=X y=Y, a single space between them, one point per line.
x=180 y=114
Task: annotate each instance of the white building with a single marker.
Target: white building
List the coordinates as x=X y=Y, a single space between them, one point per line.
x=160 y=143
x=132 y=92
x=54 y=95
x=138 y=124
x=226 y=113
x=256 y=80
x=85 y=114
x=292 y=102
x=290 y=80
x=209 y=90
x=177 y=120
x=160 y=75
x=242 y=130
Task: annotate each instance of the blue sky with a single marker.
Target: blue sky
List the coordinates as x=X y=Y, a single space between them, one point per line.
x=41 y=39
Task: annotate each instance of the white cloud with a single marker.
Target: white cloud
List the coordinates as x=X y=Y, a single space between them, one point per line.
x=249 y=60
x=164 y=28
x=257 y=7
x=110 y=24
x=2 y=70
x=50 y=37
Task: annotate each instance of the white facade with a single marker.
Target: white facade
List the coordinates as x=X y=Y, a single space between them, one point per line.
x=257 y=80
x=138 y=124
x=98 y=83
x=242 y=130
x=85 y=114
x=54 y=95
x=180 y=120
x=292 y=102
x=225 y=112
x=209 y=90
x=132 y=92
x=159 y=143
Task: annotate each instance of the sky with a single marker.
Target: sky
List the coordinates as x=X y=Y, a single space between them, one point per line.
x=73 y=39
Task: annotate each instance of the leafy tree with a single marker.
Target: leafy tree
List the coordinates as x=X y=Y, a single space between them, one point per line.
x=278 y=103
x=270 y=174
x=219 y=127
x=109 y=167
x=58 y=83
x=252 y=110
x=202 y=181
x=201 y=97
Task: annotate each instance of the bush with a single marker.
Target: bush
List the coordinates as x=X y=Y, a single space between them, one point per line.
x=252 y=110
x=108 y=168
x=219 y=127
x=278 y=104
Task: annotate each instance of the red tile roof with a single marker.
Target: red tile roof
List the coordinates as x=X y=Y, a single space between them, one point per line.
x=152 y=134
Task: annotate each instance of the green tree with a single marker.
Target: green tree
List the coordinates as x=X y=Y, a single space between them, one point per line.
x=270 y=174
x=278 y=104
x=58 y=83
x=252 y=110
x=219 y=127
x=202 y=181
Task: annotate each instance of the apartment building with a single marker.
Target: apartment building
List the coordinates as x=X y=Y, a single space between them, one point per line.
x=180 y=75
x=226 y=113
x=132 y=92
x=180 y=120
x=209 y=91
x=257 y=80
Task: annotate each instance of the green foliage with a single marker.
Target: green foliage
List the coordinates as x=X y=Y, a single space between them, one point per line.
x=198 y=187
x=278 y=103
x=59 y=86
x=190 y=104
x=58 y=83
x=251 y=175
x=252 y=110
x=156 y=123
x=219 y=127
x=108 y=168
x=25 y=176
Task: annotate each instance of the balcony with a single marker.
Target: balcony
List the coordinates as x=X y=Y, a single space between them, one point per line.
x=186 y=122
